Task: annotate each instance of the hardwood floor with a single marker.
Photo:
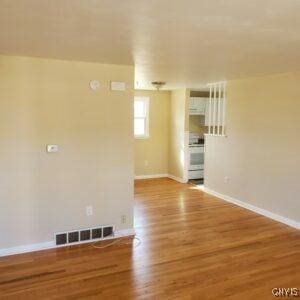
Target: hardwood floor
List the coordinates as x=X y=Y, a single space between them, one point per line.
x=193 y=246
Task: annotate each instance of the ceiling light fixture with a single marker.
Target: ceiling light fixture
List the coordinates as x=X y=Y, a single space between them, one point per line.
x=158 y=84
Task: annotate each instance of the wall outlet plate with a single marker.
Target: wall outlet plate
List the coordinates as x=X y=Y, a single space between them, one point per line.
x=123 y=219
x=89 y=210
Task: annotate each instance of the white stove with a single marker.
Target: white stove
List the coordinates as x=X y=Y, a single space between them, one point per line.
x=196 y=166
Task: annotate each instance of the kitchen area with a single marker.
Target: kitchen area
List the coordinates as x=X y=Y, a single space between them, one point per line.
x=198 y=126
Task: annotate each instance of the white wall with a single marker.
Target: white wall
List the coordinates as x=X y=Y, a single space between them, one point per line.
x=49 y=102
x=261 y=155
x=178 y=134
x=154 y=149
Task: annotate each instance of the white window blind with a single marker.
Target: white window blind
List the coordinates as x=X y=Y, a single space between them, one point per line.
x=217 y=109
x=141 y=117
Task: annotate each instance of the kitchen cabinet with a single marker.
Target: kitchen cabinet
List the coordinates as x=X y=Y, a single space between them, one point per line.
x=197 y=105
x=200 y=106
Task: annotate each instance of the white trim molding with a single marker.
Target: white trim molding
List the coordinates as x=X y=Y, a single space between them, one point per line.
x=258 y=210
x=186 y=157
x=181 y=180
x=124 y=233
x=151 y=176
x=145 y=101
x=51 y=244
x=27 y=248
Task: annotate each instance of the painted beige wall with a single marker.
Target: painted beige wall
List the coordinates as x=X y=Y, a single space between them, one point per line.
x=155 y=148
x=179 y=125
x=49 y=102
x=261 y=155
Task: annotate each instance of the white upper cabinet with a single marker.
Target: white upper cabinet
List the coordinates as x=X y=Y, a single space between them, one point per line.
x=197 y=105
x=200 y=106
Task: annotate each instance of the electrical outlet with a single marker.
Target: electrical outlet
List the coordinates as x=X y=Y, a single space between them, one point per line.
x=226 y=179
x=123 y=219
x=146 y=163
x=89 y=210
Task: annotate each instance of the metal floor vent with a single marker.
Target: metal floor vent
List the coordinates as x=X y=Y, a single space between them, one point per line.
x=84 y=235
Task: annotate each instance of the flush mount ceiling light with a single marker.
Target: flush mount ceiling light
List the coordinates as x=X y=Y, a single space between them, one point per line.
x=158 y=84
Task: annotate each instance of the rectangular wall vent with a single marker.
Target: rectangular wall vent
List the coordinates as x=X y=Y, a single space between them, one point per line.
x=84 y=235
x=61 y=239
x=73 y=237
x=107 y=231
x=97 y=233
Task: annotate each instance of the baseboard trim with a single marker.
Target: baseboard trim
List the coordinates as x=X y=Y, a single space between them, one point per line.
x=258 y=210
x=27 y=248
x=181 y=180
x=151 y=176
x=124 y=233
x=51 y=244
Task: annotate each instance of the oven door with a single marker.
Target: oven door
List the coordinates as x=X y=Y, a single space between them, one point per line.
x=196 y=158
x=197 y=174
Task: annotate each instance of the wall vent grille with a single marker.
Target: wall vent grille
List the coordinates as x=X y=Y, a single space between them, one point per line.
x=84 y=235
x=97 y=233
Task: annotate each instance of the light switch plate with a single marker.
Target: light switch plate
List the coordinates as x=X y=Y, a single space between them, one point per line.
x=117 y=86
x=52 y=148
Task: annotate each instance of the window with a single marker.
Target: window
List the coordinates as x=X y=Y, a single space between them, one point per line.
x=141 y=117
x=217 y=109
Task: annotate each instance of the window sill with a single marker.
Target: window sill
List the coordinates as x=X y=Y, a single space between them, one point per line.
x=144 y=137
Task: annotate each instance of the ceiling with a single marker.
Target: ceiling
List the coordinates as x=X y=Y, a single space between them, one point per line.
x=186 y=43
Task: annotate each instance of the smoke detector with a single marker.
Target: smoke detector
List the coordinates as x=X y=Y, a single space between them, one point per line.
x=158 y=84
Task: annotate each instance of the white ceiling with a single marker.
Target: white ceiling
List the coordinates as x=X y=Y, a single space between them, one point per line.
x=185 y=43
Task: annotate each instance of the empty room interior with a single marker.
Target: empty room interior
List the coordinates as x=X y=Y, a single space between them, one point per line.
x=149 y=149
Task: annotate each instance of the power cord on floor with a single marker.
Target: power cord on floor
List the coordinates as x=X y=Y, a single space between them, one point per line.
x=118 y=241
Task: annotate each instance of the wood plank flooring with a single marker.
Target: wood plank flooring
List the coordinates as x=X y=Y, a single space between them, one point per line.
x=193 y=246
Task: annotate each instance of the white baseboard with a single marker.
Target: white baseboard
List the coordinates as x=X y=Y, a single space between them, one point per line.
x=181 y=180
x=51 y=244
x=123 y=233
x=151 y=176
x=255 y=209
x=27 y=248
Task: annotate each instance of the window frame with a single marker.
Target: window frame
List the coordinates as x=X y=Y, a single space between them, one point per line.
x=146 y=101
